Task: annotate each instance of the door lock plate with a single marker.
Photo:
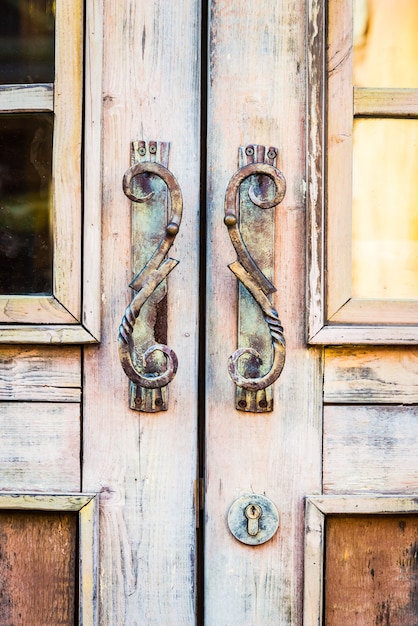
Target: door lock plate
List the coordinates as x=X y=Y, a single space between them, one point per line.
x=253 y=519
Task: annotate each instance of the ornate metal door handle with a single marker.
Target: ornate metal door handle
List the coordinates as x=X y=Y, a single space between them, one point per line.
x=140 y=353
x=257 y=168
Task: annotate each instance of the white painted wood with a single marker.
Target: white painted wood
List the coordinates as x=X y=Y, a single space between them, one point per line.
x=45 y=374
x=40 y=446
x=370 y=448
x=24 y=98
x=373 y=375
x=144 y=465
x=257 y=95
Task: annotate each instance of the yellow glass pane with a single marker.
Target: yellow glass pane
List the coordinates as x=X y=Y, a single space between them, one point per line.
x=385 y=208
x=386 y=43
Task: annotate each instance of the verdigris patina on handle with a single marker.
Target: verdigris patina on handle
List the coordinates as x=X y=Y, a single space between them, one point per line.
x=252 y=236
x=146 y=359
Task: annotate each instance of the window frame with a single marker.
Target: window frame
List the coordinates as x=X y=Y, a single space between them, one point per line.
x=334 y=316
x=71 y=313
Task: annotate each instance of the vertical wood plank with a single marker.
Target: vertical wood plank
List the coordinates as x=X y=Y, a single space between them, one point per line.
x=339 y=72
x=370 y=448
x=40 y=446
x=144 y=465
x=371 y=570
x=66 y=156
x=92 y=205
x=257 y=95
x=47 y=374
x=38 y=568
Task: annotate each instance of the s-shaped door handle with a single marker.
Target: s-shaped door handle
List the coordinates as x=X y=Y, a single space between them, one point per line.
x=139 y=359
x=256 y=168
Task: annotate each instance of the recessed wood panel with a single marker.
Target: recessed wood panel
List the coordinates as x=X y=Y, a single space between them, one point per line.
x=370 y=448
x=49 y=373
x=39 y=446
x=371 y=570
x=38 y=553
x=371 y=375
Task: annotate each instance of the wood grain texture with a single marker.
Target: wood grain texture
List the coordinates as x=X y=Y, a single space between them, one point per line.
x=45 y=333
x=257 y=95
x=66 y=154
x=86 y=507
x=48 y=374
x=371 y=570
x=385 y=102
x=64 y=97
x=144 y=465
x=370 y=448
x=375 y=375
x=38 y=568
x=339 y=125
x=373 y=334
x=40 y=446
x=315 y=279
x=34 y=310
x=92 y=205
x=374 y=507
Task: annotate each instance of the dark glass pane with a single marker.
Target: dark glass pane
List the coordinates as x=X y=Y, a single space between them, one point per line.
x=25 y=199
x=27 y=41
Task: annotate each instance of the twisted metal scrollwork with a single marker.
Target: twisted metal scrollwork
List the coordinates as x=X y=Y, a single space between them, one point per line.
x=145 y=283
x=249 y=274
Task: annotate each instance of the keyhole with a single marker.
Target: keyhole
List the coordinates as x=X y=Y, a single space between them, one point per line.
x=253 y=513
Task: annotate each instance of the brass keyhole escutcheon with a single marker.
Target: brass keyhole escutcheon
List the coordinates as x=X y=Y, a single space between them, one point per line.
x=253 y=519
x=253 y=513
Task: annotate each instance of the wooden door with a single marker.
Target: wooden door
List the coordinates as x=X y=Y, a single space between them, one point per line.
x=160 y=83
x=209 y=78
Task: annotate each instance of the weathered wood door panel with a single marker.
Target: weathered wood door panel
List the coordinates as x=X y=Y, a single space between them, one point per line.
x=208 y=77
x=257 y=95
x=144 y=464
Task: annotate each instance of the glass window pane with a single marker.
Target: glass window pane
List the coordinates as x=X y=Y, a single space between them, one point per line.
x=25 y=199
x=386 y=43
x=27 y=41
x=385 y=208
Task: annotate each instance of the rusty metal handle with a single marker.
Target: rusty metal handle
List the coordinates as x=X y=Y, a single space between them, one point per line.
x=249 y=274
x=145 y=283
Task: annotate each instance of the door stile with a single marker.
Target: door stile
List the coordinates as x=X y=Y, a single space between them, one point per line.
x=257 y=95
x=143 y=464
